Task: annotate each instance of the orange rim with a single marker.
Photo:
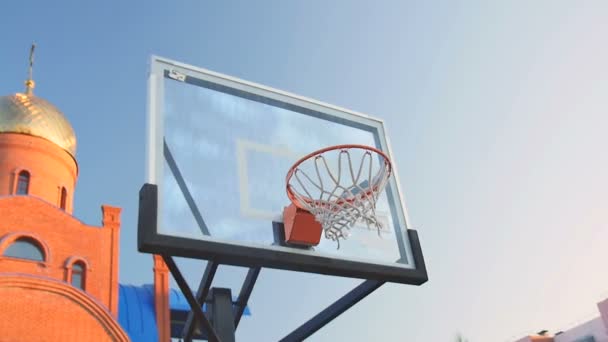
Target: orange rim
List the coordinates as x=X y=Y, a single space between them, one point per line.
x=292 y=170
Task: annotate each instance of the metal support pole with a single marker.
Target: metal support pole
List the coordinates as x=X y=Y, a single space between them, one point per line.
x=222 y=316
x=201 y=296
x=194 y=304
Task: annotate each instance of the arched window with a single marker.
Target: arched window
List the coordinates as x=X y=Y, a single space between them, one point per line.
x=25 y=248
x=78 y=277
x=64 y=198
x=23 y=183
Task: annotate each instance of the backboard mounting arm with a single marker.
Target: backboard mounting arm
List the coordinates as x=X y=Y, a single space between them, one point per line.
x=225 y=314
x=333 y=311
x=201 y=296
x=197 y=309
x=221 y=311
x=246 y=289
x=351 y=298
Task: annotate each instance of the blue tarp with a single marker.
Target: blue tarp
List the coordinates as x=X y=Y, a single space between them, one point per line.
x=136 y=311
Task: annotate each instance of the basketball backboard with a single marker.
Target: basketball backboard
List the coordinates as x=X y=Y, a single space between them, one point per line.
x=218 y=151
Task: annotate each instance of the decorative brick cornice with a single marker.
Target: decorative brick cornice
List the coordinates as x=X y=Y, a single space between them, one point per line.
x=110 y=216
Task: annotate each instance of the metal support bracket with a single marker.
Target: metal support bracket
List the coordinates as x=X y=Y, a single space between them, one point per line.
x=206 y=294
x=196 y=307
x=201 y=296
x=333 y=311
x=352 y=297
x=246 y=289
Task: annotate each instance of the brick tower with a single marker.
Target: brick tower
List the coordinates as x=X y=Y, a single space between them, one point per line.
x=58 y=276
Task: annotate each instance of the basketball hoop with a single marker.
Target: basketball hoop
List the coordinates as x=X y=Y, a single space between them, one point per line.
x=340 y=185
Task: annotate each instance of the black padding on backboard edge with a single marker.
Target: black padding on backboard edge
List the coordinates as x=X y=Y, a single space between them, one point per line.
x=147 y=215
x=149 y=241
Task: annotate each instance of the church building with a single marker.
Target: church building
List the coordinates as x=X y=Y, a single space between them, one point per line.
x=58 y=275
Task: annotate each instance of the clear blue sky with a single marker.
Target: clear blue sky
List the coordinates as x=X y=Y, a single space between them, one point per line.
x=497 y=116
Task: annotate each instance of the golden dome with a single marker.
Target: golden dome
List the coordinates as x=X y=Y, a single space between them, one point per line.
x=28 y=114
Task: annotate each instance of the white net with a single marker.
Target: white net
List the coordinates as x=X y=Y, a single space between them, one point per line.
x=340 y=188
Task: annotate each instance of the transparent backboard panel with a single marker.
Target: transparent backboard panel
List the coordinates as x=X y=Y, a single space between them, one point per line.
x=222 y=148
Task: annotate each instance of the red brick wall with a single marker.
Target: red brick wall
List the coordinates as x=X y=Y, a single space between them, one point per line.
x=38 y=302
x=38 y=309
x=67 y=239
